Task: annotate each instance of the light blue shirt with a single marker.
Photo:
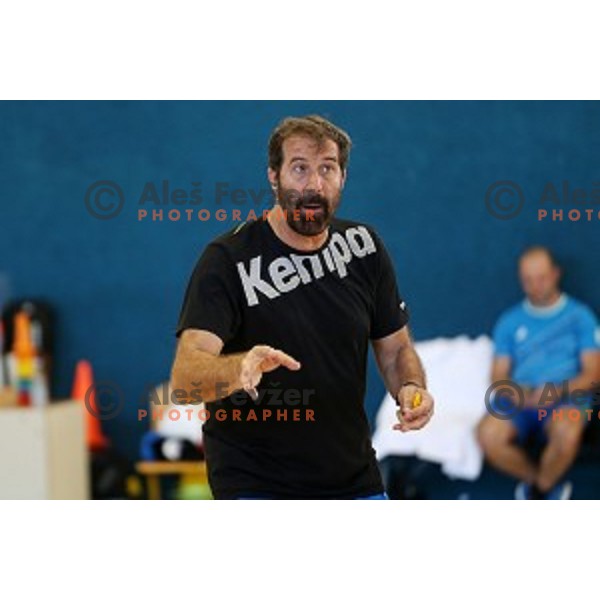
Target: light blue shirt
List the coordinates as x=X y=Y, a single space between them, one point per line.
x=545 y=343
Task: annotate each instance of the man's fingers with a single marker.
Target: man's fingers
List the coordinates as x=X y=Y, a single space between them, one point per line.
x=423 y=407
x=413 y=425
x=404 y=427
x=251 y=391
x=414 y=417
x=249 y=384
x=419 y=423
x=249 y=378
x=277 y=357
x=416 y=413
x=285 y=360
x=259 y=360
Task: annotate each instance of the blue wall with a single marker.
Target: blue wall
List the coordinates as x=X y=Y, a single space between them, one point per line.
x=418 y=173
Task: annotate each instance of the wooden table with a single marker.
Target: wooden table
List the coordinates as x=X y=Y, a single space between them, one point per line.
x=154 y=470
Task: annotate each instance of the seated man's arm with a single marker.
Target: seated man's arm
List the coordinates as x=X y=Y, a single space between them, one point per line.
x=501 y=368
x=589 y=376
x=501 y=371
x=587 y=330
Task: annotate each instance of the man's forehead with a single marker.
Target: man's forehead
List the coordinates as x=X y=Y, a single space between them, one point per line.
x=535 y=261
x=302 y=145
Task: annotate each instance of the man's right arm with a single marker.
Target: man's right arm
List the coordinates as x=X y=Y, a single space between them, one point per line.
x=502 y=365
x=501 y=368
x=199 y=365
x=501 y=371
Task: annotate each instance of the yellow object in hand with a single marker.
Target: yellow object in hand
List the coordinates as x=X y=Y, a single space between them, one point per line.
x=416 y=400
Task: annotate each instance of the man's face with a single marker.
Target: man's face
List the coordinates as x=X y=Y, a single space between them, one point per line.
x=539 y=278
x=311 y=180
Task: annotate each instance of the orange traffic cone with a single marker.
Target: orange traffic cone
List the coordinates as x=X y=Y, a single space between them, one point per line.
x=84 y=381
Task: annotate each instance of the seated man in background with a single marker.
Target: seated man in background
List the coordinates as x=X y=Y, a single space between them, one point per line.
x=548 y=346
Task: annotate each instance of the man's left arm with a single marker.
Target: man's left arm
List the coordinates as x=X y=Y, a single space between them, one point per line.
x=404 y=378
x=588 y=339
x=589 y=375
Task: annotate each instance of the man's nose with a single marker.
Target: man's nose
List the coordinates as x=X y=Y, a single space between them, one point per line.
x=315 y=182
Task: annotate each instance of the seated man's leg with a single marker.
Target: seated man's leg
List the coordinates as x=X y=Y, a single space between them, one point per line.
x=498 y=439
x=564 y=440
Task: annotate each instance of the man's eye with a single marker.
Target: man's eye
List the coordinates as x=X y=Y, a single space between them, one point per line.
x=329 y=169
x=299 y=168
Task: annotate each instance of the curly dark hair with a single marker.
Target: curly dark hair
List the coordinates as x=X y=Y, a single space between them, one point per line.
x=313 y=126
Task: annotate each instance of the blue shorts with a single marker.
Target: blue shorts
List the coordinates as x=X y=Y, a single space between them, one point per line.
x=530 y=423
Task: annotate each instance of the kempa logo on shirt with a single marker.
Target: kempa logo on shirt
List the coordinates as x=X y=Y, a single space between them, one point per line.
x=288 y=272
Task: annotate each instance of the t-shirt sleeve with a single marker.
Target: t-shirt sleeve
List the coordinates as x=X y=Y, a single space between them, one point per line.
x=587 y=331
x=503 y=337
x=210 y=300
x=389 y=311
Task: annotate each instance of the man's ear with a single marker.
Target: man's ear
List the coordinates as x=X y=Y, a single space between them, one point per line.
x=558 y=272
x=344 y=173
x=272 y=175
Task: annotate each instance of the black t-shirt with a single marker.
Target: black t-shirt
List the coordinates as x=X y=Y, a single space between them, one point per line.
x=321 y=307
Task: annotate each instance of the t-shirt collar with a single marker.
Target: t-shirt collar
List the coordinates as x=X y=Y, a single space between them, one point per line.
x=545 y=311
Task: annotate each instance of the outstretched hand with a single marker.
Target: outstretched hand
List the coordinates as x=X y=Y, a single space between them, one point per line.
x=259 y=360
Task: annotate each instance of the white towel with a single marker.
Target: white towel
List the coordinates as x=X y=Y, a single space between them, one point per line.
x=458 y=372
